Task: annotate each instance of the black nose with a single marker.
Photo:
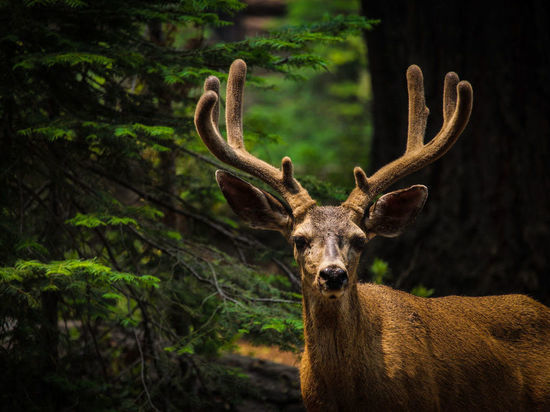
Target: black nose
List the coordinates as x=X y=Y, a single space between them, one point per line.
x=334 y=278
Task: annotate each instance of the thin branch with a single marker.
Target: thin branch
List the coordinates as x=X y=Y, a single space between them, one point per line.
x=143 y=372
x=214 y=281
x=405 y=274
x=36 y=194
x=205 y=220
x=112 y=257
x=169 y=253
x=293 y=279
x=274 y=300
x=220 y=291
x=203 y=158
x=240 y=252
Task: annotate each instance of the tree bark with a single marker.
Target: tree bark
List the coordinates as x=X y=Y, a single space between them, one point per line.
x=486 y=226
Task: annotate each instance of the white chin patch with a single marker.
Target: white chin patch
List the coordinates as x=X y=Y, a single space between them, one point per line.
x=332 y=294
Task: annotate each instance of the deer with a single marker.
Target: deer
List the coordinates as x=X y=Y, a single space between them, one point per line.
x=368 y=346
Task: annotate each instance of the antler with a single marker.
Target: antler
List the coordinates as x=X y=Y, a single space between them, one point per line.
x=233 y=151
x=457 y=106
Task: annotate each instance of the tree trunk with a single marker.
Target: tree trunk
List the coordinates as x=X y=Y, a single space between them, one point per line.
x=485 y=228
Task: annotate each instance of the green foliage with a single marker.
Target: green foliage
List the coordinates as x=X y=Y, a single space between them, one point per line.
x=322 y=124
x=119 y=285
x=92 y=220
x=380 y=271
x=422 y=291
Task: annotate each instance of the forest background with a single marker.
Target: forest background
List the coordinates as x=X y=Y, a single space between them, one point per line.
x=125 y=278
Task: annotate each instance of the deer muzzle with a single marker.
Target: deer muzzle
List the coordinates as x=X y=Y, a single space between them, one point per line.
x=332 y=281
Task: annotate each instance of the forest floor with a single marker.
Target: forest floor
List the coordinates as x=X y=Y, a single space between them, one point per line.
x=274 y=378
x=269 y=353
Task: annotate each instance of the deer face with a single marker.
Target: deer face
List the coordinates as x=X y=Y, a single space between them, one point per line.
x=327 y=246
x=327 y=240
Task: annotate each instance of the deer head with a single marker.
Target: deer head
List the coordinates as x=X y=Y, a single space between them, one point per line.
x=328 y=240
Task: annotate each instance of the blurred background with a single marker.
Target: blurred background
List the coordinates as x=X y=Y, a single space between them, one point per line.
x=126 y=282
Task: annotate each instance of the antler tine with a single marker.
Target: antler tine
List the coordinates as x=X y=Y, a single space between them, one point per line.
x=449 y=96
x=457 y=106
x=213 y=83
x=234 y=104
x=418 y=112
x=233 y=152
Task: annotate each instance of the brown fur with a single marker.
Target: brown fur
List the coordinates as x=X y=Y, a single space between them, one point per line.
x=369 y=346
x=382 y=349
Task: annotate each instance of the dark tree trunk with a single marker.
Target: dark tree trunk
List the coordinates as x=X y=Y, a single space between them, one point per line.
x=48 y=358
x=486 y=226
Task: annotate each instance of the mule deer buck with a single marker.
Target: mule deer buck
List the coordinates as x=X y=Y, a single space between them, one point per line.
x=369 y=346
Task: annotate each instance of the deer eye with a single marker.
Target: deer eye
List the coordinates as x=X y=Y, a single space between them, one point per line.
x=358 y=243
x=300 y=242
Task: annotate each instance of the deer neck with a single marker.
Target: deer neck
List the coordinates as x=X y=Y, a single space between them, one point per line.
x=340 y=345
x=334 y=323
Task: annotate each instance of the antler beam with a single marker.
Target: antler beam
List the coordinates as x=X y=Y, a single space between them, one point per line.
x=233 y=151
x=457 y=106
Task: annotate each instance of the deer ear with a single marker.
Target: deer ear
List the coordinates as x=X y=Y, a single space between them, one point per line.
x=255 y=206
x=392 y=212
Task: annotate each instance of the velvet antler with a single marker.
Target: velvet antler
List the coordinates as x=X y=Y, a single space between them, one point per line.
x=233 y=152
x=457 y=106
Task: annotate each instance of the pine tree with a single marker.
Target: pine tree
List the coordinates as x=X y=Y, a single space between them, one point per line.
x=119 y=282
